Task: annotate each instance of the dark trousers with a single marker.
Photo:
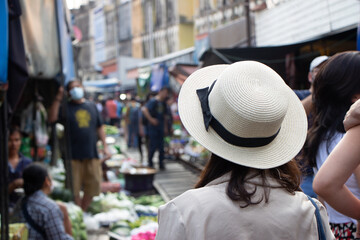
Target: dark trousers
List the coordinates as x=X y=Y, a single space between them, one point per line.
x=156 y=142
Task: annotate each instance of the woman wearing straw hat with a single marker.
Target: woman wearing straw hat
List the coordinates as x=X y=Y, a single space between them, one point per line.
x=254 y=125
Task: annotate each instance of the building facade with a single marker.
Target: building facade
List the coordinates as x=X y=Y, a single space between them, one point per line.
x=161 y=27
x=293 y=21
x=84 y=53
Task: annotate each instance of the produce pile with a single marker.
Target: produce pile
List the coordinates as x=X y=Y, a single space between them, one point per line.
x=111 y=130
x=60 y=193
x=127 y=217
x=77 y=221
x=195 y=149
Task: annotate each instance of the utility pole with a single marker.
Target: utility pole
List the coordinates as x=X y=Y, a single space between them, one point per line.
x=248 y=22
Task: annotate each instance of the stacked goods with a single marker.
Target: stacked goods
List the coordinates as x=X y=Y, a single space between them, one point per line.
x=128 y=217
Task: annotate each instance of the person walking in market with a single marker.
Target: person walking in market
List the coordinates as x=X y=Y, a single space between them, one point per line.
x=155 y=111
x=132 y=115
x=111 y=106
x=86 y=128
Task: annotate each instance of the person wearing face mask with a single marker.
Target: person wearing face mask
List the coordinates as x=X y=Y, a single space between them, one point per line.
x=46 y=219
x=86 y=128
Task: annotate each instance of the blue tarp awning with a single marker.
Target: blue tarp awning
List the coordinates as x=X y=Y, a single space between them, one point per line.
x=103 y=85
x=111 y=82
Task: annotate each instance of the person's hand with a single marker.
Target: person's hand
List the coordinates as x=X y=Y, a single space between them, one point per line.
x=141 y=131
x=107 y=154
x=154 y=121
x=18 y=183
x=352 y=117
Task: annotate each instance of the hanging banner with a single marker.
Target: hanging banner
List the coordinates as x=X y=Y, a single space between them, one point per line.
x=143 y=81
x=39 y=28
x=65 y=33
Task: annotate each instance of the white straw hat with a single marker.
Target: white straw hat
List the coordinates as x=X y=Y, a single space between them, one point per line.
x=247 y=115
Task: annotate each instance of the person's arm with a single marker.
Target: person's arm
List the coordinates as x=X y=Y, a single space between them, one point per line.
x=53 y=112
x=352 y=117
x=307 y=104
x=54 y=225
x=148 y=116
x=102 y=137
x=329 y=182
x=67 y=222
x=17 y=183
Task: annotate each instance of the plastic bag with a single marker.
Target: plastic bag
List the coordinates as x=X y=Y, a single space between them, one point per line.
x=28 y=125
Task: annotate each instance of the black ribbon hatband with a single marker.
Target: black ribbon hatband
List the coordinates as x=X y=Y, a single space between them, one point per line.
x=210 y=120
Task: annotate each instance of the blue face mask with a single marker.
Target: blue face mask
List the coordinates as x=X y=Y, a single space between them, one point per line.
x=77 y=93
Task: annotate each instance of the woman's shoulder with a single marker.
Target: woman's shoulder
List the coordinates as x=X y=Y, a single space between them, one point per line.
x=207 y=195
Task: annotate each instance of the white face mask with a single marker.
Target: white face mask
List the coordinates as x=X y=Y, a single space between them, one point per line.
x=76 y=93
x=52 y=188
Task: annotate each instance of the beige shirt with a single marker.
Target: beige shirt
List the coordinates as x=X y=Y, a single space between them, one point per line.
x=208 y=213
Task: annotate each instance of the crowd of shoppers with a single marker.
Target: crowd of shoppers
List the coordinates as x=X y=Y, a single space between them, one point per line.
x=253 y=124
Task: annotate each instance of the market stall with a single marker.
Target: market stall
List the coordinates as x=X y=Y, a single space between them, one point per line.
x=32 y=68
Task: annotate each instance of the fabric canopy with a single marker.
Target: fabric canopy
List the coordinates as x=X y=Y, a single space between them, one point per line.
x=291 y=62
x=103 y=85
x=182 y=71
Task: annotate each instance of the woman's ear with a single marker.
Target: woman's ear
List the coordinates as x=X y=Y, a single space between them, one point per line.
x=355 y=97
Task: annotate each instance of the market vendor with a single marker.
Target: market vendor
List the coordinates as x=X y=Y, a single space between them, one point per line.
x=85 y=128
x=46 y=219
x=16 y=164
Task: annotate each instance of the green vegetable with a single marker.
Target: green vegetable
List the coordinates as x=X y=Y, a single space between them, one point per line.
x=142 y=221
x=77 y=221
x=111 y=130
x=61 y=194
x=152 y=200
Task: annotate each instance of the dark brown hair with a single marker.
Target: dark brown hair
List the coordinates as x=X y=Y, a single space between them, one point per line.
x=334 y=87
x=34 y=176
x=287 y=175
x=13 y=129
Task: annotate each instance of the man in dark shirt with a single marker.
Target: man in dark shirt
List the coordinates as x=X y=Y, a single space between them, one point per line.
x=155 y=112
x=85 y=127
